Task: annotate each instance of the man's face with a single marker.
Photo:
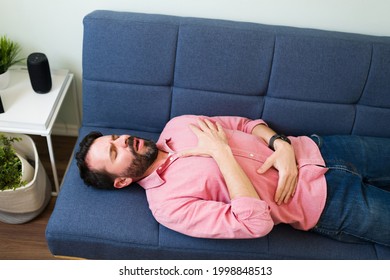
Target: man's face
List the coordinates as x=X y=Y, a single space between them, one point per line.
x=122 y=156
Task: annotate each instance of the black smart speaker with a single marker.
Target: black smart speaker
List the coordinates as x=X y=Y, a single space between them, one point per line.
x=39 y=71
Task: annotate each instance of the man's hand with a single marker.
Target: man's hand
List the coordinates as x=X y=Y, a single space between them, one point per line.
x=283 y=159
x=211 y=140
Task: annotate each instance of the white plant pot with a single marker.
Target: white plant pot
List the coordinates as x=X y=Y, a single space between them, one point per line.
x=27 y=169
x=4 y=80
x=25 y=203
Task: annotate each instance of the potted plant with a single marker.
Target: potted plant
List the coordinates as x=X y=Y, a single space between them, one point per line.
x=9 y=51
x=25 y=189
x=15 y=170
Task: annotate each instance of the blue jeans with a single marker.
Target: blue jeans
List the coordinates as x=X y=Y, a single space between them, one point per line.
x=358 y=184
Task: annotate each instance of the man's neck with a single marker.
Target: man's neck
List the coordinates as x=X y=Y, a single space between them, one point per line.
x=161 y=158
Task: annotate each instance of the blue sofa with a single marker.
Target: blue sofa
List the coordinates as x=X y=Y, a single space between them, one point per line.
x=140 y=70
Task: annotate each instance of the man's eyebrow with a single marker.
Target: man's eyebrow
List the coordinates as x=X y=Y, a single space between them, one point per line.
x=112 y=150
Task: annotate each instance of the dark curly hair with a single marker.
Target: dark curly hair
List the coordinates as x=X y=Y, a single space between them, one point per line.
x=95 y=178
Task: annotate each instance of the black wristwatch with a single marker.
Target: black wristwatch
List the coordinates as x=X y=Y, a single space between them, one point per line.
x=275 y=137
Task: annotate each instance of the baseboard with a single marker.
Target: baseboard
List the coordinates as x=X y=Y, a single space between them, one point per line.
x=64 y=129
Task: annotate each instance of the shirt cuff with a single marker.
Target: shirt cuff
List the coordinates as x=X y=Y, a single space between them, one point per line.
x=249 y=207
x=252 y=124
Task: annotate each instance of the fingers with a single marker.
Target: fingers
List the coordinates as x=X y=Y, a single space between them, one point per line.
x=266 y=165
x=201 y=128
x=195 y=129
x=205 y=125
x=287 y=182
x=286 y=188
x=214 y=131
x=219 y=126
x=211 y=137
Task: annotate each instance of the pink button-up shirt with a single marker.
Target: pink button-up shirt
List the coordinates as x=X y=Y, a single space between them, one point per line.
x=189 y=195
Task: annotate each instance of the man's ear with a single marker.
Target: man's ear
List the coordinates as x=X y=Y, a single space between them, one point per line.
x=121 y=182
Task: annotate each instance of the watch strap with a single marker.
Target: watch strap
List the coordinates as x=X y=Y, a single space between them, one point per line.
x=275 y=137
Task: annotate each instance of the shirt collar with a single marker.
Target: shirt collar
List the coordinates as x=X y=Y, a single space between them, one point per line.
x=154 y=180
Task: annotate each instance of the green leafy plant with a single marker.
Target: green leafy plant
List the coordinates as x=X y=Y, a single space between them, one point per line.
x=9 y=52
x=10 y=165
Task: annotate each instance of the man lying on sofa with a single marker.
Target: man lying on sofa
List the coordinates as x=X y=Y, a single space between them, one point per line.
x=231 y=177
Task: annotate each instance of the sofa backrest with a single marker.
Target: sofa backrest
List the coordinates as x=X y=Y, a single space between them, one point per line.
x=141 y=70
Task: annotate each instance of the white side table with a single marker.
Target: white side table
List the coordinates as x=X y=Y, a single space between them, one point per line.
x=33 y=113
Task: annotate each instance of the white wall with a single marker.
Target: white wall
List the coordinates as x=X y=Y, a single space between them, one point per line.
x=54 y=27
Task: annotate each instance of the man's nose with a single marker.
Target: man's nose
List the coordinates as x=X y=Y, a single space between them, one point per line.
x=122 y=141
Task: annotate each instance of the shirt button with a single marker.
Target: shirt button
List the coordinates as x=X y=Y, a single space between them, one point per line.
x=251 y=155
x=171 y=158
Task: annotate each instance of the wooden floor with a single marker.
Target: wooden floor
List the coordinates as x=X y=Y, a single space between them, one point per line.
x=27 y=241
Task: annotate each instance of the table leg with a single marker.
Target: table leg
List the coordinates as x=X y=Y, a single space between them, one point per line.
x=53 y=162
x=76 y=100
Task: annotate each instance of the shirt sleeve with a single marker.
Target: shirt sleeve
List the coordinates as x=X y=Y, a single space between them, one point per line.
x=232 y=123
x=244 y=217
x=238 y=123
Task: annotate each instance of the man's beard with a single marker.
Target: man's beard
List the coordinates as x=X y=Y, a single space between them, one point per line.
x=141 y=162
